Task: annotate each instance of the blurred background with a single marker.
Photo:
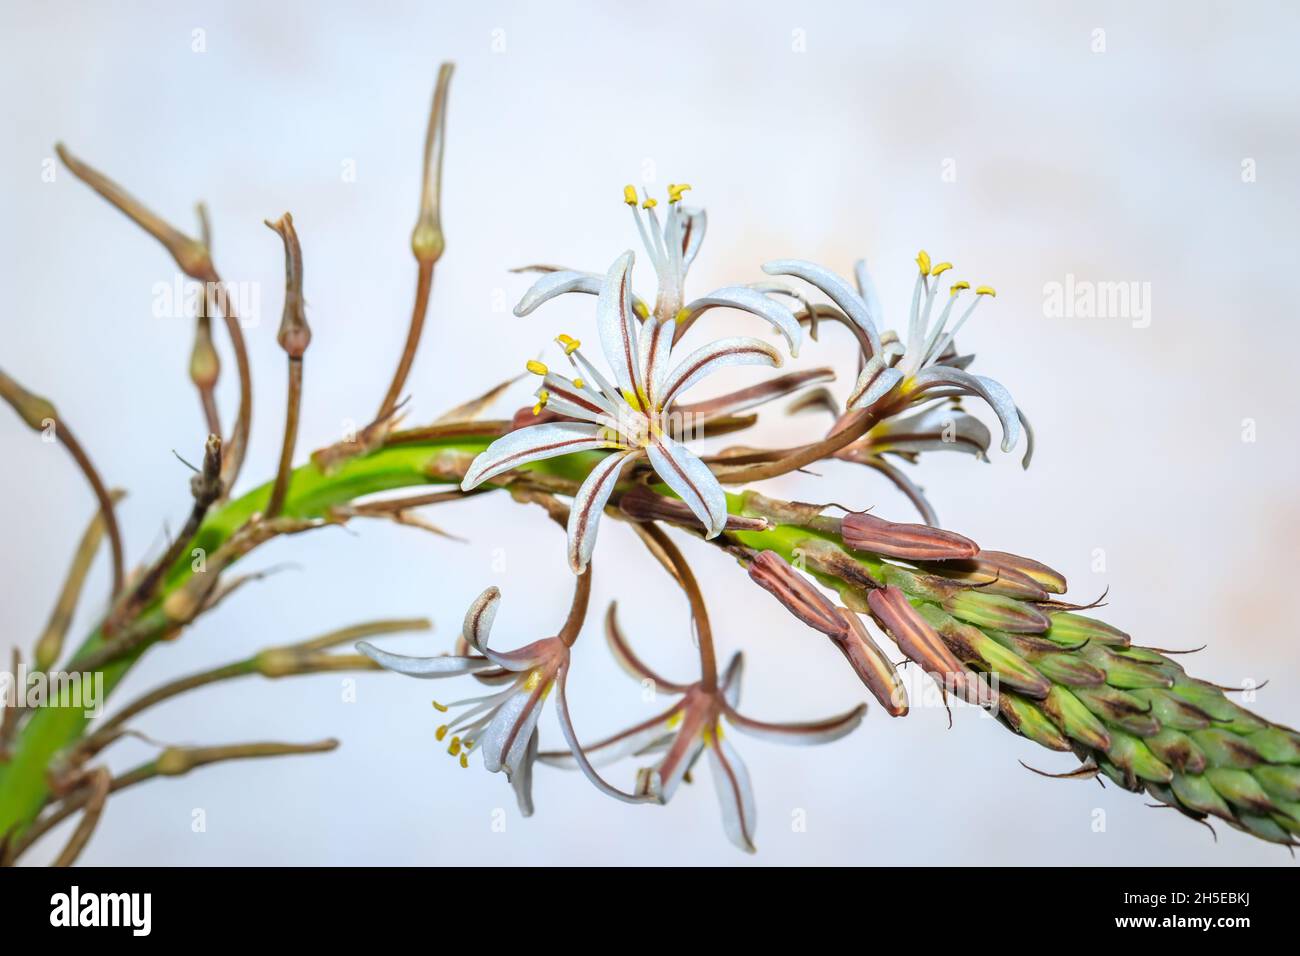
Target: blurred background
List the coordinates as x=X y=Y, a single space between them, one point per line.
x=1153 y=145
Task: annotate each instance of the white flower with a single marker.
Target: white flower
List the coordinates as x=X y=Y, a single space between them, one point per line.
x=632 y=416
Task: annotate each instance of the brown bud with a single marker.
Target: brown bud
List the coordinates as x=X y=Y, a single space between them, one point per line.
x=1047 y=578
x=913 y=634
x=37 y=412
x=800 y=596
x=910 y=542
x=205 y=366
x=872 y=666
x=294 y=335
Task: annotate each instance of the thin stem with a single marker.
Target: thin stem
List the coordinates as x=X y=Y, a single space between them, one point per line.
x=105 y=500
x=98 y=788
x=294 y=337
x=427 y=240
x=292 y=410
x=578 y=610
x=699 y=611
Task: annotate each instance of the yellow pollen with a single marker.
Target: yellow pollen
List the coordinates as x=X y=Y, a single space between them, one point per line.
x=468 y=744
x=941 y=268
x=534 y=678
x=440 y=708
x=629 y=195
x=442 y=732
x=650 y=203
x=579 y=383
x=674 y=720
x=464 y=761
x=986 y=290
x=675 y=191
x=536 y=367
x=958 y=287
x=641 y=309
x=454 y=749
x=923 y=260
x=542 y=398
x=570 y=344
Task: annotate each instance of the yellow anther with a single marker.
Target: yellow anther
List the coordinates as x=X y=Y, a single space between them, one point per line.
x=941 y=268
x=641 y=309
x=442 y=732
x=534 y=678
x=958 y=287
x=464 y=761
x=468 y=744
x=536 y=367
x=570 y=344
x=441 y=708
x=986 y=290
x=650 y=203
x=675 y=191
x=923 y=260
x=629 y=195
x=579 y=383
x=542 y=398
x=454 y=748
x=674 y=720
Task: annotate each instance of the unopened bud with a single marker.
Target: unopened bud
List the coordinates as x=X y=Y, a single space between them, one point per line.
x=295 y=334
x=996 y=611
x=800 y=596
x=914 y=635
x=37 y=412
x=872 y=666
x=910 y=542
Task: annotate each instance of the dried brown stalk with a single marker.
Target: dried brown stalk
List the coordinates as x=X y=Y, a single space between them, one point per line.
x=294 y=337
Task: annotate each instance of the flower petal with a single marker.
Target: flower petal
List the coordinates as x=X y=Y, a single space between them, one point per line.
x=802 y=733
x=707 y=359
x=694 y=221
x=738 y=401
x=753 y=301
x=625 y=743
x=940 y=428
x=556 y=283
x=691 y=479
x=575 y=748
x=874 y=382
x=505 y=742
x=533 y=443
x=735 y=796
x=628 y=659
x=589 y=504
x=424 y=667
x=839 y=292
x=521 y=781
x=655 y=349
x=617 y=324
x=998 y=398
x=732 y=678
x=565 y=398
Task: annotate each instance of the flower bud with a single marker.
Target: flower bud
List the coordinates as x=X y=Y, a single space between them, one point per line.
x=872 y=666
x=800 y=596
x=910 y=542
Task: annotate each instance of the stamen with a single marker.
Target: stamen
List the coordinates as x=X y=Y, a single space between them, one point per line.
x=923 y=260
x=542 y=398
x=569 y=343
x=441 y=733
x=536 y=367
x=941 y=268
x=958 y=287
x=650 y=202
x=641 y=309
x=675 y=191
x=579 y=383
x=986 y=290
x=454 y=748
x=629 y=195
x=441 y=708
x=464 y=761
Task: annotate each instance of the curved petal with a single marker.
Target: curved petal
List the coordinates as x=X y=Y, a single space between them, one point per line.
x=746 y=398
x=685 y=474
x=626 y=743
x=521 y=781
x=694 y=221
x=867 y=289
x=589 y=504
x=425 y=667
x=1029 y=438
x=617 y=324
x=735 y=795
x=505 y=742
x=802 y=733
x=839 y=291
x=732 y=678
x=998 y=398
x=654 y=352
x=628 y=659
x=707 y=359
x=874 y=383
x=557 y=283
x=575 y=748
x=753 y=301
x=941 y=428
x=533 y=443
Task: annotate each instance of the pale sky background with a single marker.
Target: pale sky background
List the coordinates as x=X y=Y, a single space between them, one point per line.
x=813 y=130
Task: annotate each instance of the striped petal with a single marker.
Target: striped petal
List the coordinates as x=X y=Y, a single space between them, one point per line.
x=802 y=733
x=424 y=667
x=556 y=283
x=565 y=398
x=735 y=795
x=580 y=756
x=875 y=381
x=626 y=743
x=617 y=324
x=628 y=658
x=998 y=398
x=655 y=349
x=707 y=359
x=534 y=443
x=506 y=740
x=693 y=223
x=753 y=301
x=589 y=504
x=755 y=395
x=521 y=781
x=940 y=428
x=691 y=479
x=839 y=292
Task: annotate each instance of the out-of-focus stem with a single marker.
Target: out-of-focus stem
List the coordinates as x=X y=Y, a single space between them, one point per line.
x=205 y=366
x=699 y=611
x=97 y=795
x=427 y=241
x=294 y=337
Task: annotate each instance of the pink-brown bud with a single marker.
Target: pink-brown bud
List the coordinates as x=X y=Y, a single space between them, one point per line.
x=910 y=542
x=800 y=596
x=872 y=666
x=913 y=634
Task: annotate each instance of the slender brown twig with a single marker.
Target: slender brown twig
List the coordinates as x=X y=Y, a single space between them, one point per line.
x=205 y=366
x=427 y=241
x=699 y=611
x=98 y=784
x=294 y=337
x=40 y=415
x=195 y=261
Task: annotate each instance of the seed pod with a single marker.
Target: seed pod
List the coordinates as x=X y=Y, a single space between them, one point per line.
x=910 y=542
